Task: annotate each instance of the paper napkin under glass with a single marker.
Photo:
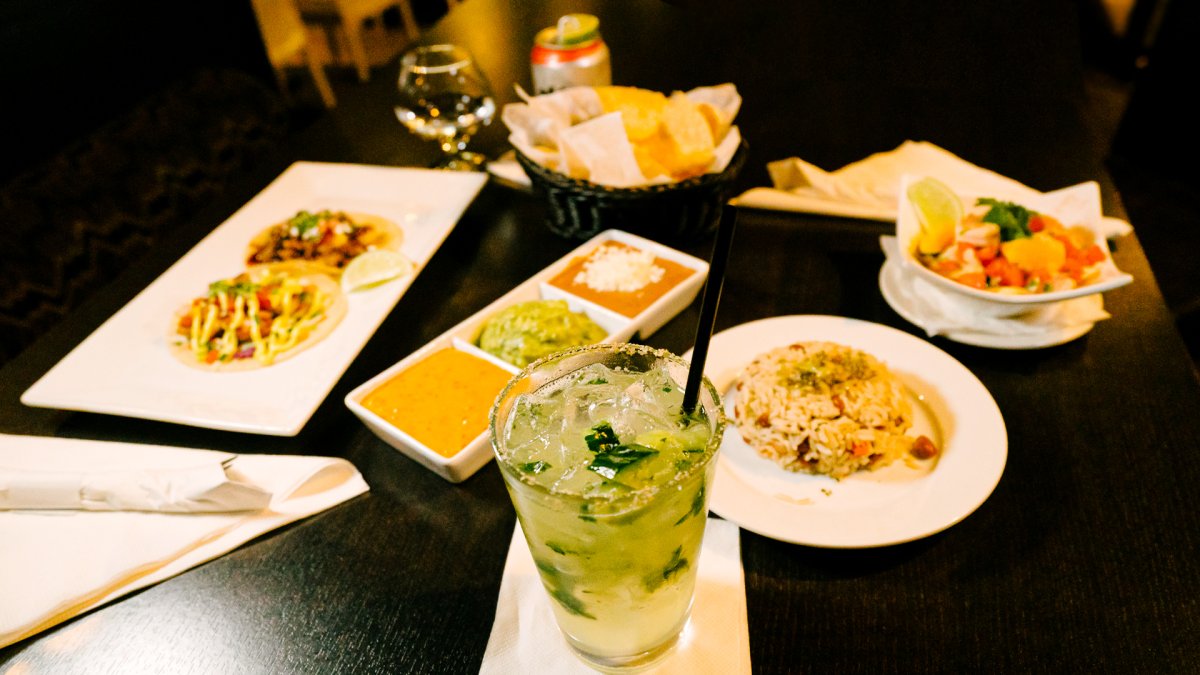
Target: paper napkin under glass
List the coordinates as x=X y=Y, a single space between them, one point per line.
x=525 y=638
x=869 y=187
x=190 y=506
x=939 y=311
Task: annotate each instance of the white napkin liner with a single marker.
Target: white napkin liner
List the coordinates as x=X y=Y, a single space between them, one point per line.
x=940 y=312
x=525 y=638
x=58 y=564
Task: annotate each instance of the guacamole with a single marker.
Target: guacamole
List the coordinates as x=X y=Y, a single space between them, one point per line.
x=530 y=330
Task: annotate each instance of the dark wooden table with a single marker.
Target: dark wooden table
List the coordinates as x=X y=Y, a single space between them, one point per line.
x=1083 y=559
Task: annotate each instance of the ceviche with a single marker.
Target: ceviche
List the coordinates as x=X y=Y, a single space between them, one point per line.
x=1001 y=246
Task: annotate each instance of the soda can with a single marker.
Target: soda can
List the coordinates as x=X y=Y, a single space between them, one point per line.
x=570 y=54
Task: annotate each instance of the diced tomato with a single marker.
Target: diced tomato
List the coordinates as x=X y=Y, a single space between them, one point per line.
x=1036 y=224
x=264 y=300
x=1073 y=267
x=1093 y=254
x=185 y=321
x=986 y=254
x=1007 y=273
x=211 y=356
x=946 y=267
x=973 y=279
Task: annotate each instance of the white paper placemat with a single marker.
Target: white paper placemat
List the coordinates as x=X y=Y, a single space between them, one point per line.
x=525 y=638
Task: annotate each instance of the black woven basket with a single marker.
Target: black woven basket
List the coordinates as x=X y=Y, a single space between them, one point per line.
x=669 y=213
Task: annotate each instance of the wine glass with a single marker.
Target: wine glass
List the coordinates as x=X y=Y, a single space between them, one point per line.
x=444 y=97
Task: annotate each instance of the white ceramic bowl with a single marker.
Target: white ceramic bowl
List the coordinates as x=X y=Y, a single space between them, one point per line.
x=1075 y=205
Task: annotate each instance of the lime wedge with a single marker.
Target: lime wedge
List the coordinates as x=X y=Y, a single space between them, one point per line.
x=575 y=29
x=939 y=212
x=373 y=268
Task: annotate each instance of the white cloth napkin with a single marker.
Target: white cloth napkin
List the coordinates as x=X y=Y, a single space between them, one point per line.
x=869 y=187
x=525 y=638
x=209 y=483
x=939 y=312
x=56 y=564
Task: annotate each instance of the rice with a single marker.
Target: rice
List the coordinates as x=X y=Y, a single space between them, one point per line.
x=823 y=408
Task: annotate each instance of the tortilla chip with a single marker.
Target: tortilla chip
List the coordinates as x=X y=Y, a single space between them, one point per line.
x=640 y=109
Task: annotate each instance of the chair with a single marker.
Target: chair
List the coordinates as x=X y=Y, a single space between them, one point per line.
x=351 y=14
x=285 y=37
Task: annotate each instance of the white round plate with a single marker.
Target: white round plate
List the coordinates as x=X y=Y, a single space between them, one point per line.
x=907 y=500
x=891 y=277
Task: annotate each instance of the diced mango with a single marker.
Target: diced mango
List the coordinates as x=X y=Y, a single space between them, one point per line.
x=1038 y=253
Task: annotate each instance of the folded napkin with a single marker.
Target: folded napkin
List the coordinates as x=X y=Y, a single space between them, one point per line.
x=869 y=187
x=939 y=312
x=526 y=639
x=59 y=563
x=210 y=484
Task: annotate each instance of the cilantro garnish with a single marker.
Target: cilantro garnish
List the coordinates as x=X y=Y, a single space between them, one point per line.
x=306 y=223
x=238 y=288
x=1012 y=219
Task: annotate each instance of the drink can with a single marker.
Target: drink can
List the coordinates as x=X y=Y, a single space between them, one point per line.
x=570 y=54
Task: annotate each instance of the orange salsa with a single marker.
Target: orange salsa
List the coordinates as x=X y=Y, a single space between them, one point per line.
x=442 y=400
x=625 y=303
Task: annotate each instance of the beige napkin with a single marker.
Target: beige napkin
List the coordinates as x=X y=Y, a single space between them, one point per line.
x=940 y=312
x=869 y=188
x=57 y=564
x=525 y=639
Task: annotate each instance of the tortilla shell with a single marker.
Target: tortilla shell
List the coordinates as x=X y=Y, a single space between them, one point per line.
x=333 y=316
x=393 y=238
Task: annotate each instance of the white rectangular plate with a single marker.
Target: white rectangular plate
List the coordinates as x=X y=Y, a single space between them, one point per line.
x=124 y=367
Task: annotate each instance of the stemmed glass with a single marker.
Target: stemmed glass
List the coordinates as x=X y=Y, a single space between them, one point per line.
x=444 y=97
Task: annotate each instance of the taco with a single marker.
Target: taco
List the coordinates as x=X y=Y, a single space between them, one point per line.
x=258 y=318
x=328 y=239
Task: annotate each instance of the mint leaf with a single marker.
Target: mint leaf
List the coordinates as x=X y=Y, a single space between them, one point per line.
x=602 y=438
x=611 y=455
x=674 y=567
x=610 y=462
x=534 y=467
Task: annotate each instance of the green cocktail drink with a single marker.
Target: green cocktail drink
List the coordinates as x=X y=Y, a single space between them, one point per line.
x=609 y=479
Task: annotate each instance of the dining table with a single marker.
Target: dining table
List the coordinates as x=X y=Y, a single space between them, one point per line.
x=1082 y=559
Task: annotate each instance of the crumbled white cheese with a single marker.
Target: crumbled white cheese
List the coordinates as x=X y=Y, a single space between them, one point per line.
x=619 y=268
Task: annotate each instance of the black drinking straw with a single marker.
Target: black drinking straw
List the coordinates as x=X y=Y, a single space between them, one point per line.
x=708 y=306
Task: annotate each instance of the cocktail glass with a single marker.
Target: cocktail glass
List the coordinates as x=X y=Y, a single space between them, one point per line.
x=616 y=544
